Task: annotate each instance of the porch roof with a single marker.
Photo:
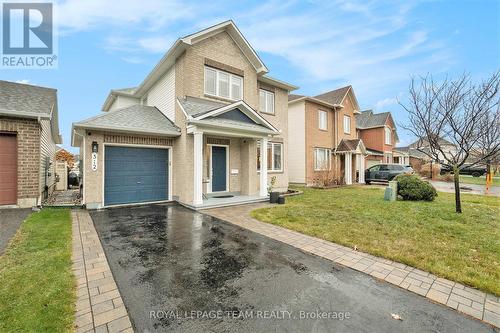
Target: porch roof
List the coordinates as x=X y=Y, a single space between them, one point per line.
x=351 y=146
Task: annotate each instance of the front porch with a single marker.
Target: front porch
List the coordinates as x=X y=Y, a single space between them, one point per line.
x=225 y=143
x=352 y=158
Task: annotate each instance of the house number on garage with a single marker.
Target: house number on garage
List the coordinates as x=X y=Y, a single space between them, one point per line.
x=94 y=161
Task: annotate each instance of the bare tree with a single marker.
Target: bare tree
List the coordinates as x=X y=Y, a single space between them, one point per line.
x=459 y=112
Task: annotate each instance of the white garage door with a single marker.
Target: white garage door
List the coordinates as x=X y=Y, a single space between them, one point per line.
x=370 y=163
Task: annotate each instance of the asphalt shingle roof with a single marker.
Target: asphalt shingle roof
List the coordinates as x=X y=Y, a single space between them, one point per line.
x=367 y=119
x=348 y=145
x=293 y=97
x=335 y=96
x=139 y=118
x=197 y=106
x=24 y=98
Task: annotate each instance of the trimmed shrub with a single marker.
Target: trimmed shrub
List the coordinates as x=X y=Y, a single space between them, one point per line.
x=411 y=187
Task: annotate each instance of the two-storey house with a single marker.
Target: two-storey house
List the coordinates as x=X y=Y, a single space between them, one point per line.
x=379 y=134
x=322 y=132
x=207 y=127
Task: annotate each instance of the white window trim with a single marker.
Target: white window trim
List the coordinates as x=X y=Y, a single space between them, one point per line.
x=328 y=156
x=230 y=80
x=272 y=157
x=267 y=92
x=320 y=112
x=387 y=130
x=347 y=130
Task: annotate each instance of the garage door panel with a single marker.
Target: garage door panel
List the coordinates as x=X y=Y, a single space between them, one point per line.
x=135 y=175
x=8 y=169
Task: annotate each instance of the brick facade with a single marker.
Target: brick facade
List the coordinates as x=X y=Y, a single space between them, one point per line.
x=28 y=150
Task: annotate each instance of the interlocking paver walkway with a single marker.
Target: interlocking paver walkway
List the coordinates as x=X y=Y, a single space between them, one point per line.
x=99 y=306
x=470 y=301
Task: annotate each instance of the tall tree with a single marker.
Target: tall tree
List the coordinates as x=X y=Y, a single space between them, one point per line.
x=455 y=111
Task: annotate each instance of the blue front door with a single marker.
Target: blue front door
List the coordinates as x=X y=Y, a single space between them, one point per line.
x=219 y=168
x=135 y=175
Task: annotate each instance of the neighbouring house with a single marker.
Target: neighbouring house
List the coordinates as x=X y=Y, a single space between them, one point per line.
x=419 y=151
x=29 y=132
x=379 y=134
x=206 y=127
x=323 y=136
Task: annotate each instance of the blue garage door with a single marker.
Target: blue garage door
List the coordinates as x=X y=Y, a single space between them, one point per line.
x=135 y=175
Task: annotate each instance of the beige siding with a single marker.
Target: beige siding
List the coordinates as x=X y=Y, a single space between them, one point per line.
x=122 y=102
x=296 y=139
x=162 y=94
x=47 y=152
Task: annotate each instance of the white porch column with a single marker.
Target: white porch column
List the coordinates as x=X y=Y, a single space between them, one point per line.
x=348 y=168
x=198 y=168
x=263 y=167
x=361 y=169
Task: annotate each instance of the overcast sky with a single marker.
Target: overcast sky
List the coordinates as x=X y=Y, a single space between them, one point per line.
x=376 y=46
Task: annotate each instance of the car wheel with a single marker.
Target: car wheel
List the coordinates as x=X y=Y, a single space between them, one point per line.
x=476 y=174
x=367 y=182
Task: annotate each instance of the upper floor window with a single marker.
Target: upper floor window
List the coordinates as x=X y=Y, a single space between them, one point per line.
x=323 y=120
x=347 y=124
x=388 y=135
x=223 y=84
x=266 y=101
x=321 y=159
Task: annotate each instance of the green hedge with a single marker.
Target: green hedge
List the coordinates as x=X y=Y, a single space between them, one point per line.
x=411 y=187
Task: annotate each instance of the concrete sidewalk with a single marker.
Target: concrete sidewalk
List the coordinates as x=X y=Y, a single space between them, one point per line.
x=470 y=301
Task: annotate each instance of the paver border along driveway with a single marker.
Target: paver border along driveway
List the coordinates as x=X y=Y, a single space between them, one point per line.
x=470 y=301
x=179 y=271
x=10 y=221
x=99 y=306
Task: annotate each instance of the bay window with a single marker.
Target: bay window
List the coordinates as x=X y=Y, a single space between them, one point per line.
x=222 y=84
x=274 y=156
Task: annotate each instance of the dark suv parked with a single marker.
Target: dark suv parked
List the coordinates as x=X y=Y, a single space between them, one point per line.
x=385 y=172
x=474 y=171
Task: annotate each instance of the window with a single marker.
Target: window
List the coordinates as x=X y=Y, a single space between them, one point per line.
x=388 y=135
x=274 y=156
x=323 y=122
x=236 y=87
x=347 y=124
x=223 y=84
x=266 y=101
x=321 y=159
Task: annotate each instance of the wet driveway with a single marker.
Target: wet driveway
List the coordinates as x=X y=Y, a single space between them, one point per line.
x=179 y=270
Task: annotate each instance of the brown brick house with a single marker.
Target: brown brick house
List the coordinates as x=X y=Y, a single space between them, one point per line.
x=322 y=132
x=379 y=134
x=29 y=132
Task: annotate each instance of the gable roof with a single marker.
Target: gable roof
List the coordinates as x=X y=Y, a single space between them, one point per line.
x=28 y=101
x=368 y=119
x=292 y=97
x=211 y=113
x=139 y=119
x=423 y=142
x=335 y=96
x=346 y=146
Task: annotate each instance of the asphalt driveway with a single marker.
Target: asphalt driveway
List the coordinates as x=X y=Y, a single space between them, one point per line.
x=179 y=270
x=10 y=220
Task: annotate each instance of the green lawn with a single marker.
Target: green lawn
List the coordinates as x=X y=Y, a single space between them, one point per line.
x=37 y=286
x=427 y=235
x=464 y=179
